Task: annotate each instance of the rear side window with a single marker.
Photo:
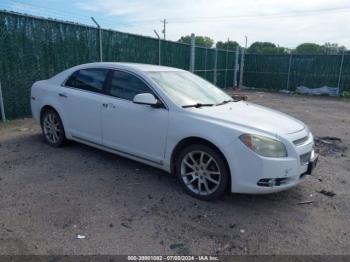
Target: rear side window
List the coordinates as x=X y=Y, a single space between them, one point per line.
x=88 y=79
x=127 y=86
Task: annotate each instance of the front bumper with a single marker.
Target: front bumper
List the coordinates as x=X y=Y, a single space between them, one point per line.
x=277 y=182
x=274 y=174
x=312 y=165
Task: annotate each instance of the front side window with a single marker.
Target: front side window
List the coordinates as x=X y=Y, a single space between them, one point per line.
x=127 y=86
x=88 y=79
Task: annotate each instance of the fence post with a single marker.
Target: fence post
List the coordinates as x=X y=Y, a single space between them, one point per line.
x=99 y=36
x=289 y=67
x=159 y=47
x=226 y=64
x=205 y=62
x=215 y=66
x=193 y=50
x=235 y=71
x=159 y=51
x=2 y=107
x=241 y=69
x=340 y=72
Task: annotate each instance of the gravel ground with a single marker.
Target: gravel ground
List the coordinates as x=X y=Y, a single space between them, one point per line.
x=50 y=196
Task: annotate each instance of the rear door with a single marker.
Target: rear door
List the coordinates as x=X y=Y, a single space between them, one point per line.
x=138 y=130
x=81 y=98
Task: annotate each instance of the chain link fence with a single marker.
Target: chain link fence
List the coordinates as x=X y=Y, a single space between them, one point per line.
x=34 y=48
x=287 y=72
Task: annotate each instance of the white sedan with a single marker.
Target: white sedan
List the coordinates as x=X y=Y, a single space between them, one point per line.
x=176 y=121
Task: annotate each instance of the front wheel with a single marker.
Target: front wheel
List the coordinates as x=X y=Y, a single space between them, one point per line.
x=53 y=129
x=202 y=171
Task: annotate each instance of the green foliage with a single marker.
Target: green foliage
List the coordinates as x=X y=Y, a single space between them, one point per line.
x=231 y=45
x=309 y=48
x=266 y=48
x=315 y=49
x=199 y=40
x=345 y=94
x=333 y=48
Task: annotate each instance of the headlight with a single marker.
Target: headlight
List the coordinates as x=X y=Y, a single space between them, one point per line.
x=264 y=146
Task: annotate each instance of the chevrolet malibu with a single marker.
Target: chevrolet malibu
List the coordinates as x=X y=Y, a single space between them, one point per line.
x=176 y=121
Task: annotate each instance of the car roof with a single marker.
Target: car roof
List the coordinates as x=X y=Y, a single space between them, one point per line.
x=133 y=67
x=141 y=67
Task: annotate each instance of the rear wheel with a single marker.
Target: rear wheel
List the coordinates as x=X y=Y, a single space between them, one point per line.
x=202 y=171
x=52 y=128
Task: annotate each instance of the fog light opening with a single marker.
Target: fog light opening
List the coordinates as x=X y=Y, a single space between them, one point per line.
x=271 y=182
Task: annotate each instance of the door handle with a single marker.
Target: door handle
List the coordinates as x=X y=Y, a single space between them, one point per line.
x=110 y=105
x=63 y=95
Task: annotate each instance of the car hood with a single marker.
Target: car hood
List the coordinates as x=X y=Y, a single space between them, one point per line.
x=253 y=116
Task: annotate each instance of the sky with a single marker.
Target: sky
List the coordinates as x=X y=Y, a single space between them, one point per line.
x=286 y=23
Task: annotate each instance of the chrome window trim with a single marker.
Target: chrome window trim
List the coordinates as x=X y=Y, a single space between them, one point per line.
x=144 y=81
x=116 y=69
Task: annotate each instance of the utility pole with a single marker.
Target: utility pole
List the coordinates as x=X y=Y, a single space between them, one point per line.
x=246 y=41
x=164 y=27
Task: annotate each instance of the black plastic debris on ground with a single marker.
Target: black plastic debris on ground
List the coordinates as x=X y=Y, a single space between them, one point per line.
x=173 y=246
x=327 y=193
x=329 y=146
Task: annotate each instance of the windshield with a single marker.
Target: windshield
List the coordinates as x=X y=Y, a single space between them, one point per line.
x=185 y=88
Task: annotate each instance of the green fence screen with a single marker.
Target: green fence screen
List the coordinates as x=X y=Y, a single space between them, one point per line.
x=313 y=71
x=33 y=48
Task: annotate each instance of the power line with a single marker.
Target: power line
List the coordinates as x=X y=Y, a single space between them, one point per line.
x=295 y=13
x=53 y=13
x=70 y=15
x=45 y=11
x=273 y=15
x=42 y=10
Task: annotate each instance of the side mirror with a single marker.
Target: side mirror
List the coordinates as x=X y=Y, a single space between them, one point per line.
x=146 y=99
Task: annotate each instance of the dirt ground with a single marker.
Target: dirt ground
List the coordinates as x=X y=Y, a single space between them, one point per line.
x=50 y=196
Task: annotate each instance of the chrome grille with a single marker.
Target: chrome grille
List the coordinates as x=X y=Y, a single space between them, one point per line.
x=300 y=141
x=305 y=158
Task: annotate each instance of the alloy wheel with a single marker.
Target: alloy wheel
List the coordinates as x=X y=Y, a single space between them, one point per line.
x=200 y=173
x=52 y=128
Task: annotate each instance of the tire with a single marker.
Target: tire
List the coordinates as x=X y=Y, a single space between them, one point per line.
x=52 y=128
x=198 y=167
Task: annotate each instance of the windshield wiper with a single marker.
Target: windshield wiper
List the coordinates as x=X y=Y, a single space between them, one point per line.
x=224 y=102
x=198 y=105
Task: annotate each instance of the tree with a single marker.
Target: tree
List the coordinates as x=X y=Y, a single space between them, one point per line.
x=333 y=49
x=199 y=40
x=309 y=48
x=266 y=48
x=227 y=45
x=315 y=49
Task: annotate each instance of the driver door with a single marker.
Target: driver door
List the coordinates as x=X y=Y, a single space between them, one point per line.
x=134 y=129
